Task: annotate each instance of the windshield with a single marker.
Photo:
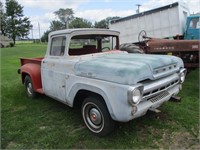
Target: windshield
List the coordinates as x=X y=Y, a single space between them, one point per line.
x=87 y=44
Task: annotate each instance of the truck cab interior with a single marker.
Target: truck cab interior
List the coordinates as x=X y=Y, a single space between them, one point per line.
x=88 y=44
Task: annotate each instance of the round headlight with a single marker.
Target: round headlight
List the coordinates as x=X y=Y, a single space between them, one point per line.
x=136 y=96
x=182 y=77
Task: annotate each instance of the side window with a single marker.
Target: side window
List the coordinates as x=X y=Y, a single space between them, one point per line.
x=194 y=23
x=58 y=46
x=109 y=43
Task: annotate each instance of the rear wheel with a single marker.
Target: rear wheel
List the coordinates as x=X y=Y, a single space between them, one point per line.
x=96 y=116
x=29 y=87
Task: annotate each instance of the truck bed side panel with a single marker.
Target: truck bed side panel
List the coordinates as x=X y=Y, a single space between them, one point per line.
x=32 y=67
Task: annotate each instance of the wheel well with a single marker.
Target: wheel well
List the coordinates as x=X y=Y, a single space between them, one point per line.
x=24 y=76
x=81 y=95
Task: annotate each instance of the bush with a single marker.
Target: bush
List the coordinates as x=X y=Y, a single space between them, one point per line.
x=12 y=44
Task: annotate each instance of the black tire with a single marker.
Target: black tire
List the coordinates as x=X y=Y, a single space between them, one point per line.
x=96 y=116
x=131 y=48
x=29 y=87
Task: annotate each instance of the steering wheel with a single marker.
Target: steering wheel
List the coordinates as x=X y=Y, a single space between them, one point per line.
x=104 y=48
x=142 y=36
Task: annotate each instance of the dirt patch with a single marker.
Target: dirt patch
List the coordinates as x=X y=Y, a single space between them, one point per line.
x=166 y=139
x=159 y=115
x=178 y=140
x=42 y=127
x=77 y=129
x=19 y=108
x=11 y=145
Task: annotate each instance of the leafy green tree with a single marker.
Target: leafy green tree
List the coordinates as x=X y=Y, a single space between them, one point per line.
x=56 y=25
x=18 y=25
x=2 y=20
x=65 y=16
x=105 y=22
x=44 y=37
x=80 y=23
x=101 y=24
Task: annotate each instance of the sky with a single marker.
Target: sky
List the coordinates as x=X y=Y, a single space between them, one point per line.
x=41 y=12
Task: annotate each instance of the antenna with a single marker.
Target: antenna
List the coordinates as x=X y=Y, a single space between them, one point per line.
x=138 y=10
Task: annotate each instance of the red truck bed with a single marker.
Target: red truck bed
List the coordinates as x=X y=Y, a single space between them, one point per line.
x=31 y=60
x=32 y=67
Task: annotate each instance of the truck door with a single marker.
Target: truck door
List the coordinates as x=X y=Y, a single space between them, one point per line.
x=193 y=28
x=53 y=72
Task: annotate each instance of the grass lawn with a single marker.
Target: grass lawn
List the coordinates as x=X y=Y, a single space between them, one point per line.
x=44 y=123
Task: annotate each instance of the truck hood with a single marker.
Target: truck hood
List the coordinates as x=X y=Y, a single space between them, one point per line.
x=126 y=68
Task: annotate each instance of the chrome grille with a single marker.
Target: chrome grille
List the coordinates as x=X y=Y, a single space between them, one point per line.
x=154 y=88
x=159 y=97
x=162 y=88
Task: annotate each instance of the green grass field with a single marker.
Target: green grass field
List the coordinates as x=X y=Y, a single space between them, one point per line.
x=44 y=123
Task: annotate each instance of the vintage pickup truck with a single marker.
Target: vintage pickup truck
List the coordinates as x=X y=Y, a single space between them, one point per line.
x=83 y=67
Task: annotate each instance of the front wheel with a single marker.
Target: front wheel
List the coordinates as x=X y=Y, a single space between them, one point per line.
x=29 y=87
x=96 y=116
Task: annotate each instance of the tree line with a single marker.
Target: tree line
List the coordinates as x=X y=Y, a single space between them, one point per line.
x=68 y=20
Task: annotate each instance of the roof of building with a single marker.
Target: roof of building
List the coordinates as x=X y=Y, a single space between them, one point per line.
x=145 y=13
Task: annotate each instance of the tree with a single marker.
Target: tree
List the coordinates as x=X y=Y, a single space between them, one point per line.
x=80 y=23
x=105 y=22
x=65 y=16
x=101 y=24
x=44 y=37
x=56 y=25
x=17 y=24
x=2 y=20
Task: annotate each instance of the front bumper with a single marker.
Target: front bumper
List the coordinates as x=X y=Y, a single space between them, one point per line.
x=155 y=102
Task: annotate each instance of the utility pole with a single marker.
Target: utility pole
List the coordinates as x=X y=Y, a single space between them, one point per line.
x=32 y=33
x=66 y=20
x=39 y=31
x=138 y=10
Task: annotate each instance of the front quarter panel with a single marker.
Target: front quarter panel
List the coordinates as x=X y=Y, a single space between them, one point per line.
x=114 y=95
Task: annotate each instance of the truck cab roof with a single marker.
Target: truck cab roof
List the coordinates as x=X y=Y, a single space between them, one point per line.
x=81 y=31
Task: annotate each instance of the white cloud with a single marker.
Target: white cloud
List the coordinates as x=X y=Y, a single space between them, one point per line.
x=194 y=5
x=99 y=14
x=43 y=22
x=52 y=4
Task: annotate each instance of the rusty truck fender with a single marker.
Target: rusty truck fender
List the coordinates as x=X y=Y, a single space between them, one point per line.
x=34 y=71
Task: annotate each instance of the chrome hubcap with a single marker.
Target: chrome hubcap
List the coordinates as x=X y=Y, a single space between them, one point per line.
x=95 y=116
x=29 y=88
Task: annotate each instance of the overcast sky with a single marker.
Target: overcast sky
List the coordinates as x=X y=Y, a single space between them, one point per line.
x=41 y=11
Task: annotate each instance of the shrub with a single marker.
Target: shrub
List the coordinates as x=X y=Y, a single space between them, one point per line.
x=12 y=44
